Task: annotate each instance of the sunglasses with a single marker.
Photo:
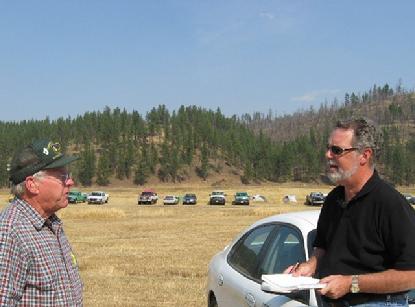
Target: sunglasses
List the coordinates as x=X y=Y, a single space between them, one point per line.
x=337 y=150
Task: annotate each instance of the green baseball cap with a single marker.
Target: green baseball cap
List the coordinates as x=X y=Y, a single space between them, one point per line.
x=41 y=154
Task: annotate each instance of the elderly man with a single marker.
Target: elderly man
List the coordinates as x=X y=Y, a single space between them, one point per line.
x=37 y=265
x=364 y=249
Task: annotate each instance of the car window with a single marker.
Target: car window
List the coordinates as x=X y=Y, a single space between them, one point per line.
x=244 y=256
x=285 y=249
x=310 y=239
x=411 y=296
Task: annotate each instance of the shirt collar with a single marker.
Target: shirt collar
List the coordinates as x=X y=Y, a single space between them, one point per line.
x=368 y=186
x=34 y=217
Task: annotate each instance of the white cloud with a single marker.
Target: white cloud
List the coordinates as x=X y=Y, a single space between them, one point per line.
x=314 y=95
x=267 y=15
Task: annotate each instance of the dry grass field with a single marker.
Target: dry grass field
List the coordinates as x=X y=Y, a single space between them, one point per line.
x=157 y=255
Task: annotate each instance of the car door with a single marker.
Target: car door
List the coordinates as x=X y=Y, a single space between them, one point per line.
x=237 y=276
x=286 y=247
x=265 y=250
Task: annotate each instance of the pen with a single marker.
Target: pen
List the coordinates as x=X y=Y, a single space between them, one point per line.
x=294 y=267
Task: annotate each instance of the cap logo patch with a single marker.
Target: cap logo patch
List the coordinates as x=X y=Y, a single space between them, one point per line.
x=54 y=147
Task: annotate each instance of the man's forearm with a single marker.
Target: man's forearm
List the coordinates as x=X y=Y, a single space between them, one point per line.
x=389 y=281
x=316 y=257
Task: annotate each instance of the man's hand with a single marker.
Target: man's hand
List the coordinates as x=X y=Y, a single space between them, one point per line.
x=304 y=269
x=337 y=286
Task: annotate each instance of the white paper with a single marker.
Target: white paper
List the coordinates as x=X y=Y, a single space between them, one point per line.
x=285 y=283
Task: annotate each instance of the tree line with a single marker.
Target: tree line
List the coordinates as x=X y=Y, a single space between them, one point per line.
x=114 y=143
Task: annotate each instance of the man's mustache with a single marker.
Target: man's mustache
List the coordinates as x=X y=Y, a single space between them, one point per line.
x=332 y=163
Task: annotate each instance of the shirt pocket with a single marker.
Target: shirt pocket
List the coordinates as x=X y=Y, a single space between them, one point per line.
x=42 y=278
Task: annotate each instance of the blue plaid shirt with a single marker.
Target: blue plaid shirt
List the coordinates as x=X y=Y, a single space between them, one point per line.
x=37 y=265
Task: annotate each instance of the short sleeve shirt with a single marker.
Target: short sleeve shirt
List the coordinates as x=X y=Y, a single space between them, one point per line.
x=374 y=232
x=38 y=267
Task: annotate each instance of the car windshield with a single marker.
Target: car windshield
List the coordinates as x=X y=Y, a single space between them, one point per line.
x=96 y=194
x=215 y=193
x=190 y=196
x=169 y=197
x=241 y=194
x=147 y=193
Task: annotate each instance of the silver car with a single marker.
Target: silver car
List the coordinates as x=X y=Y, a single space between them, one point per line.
x=267 y=247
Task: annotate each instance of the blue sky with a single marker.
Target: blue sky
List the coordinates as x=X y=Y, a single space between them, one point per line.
x=63 y=58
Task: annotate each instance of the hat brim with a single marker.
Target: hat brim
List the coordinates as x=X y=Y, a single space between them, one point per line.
x=61 y=162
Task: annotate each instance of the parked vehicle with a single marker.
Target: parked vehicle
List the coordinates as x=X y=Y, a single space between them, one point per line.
x=170 y=200
x=410 y=198
x=315 y=199
x=260 y=198
x=98 y=197
x=148 y=197
x=289 y=198
x=241 y=198
x=217 y=198
x=189 y=199
x=268 y=246
x=76 y=197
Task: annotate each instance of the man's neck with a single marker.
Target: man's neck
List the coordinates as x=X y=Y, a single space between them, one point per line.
x=355 y=183
x=32 y=201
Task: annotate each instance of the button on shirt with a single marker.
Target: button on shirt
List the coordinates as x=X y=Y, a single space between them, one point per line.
x=37 y=265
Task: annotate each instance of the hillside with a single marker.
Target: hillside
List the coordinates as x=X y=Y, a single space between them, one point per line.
x=194 y=145
x=386 y=107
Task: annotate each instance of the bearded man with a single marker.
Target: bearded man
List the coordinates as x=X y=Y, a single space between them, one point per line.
x=364 y=249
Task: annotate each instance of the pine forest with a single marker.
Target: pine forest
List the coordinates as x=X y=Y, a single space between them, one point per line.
x=193 y=142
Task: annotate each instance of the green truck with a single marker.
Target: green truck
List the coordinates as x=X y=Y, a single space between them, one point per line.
x=241 y=198
x=76 y=197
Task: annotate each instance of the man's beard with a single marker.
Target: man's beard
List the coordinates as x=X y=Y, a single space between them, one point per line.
x=340 y=174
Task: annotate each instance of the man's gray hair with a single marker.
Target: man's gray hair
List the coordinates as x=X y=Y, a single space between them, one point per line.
x=365 y=135
x=19 y=189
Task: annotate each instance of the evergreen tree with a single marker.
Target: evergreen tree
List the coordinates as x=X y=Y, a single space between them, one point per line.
x=398 y=164
x=141 y=173
x=248 y=173
x=202 y=171
x=104 y=169
x=86 y=166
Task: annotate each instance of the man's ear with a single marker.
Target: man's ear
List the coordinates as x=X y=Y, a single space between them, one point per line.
x=366 y=155
x=31 y=185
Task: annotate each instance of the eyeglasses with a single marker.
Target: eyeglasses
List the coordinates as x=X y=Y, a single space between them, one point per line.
x=338 y=151
x=63 y=178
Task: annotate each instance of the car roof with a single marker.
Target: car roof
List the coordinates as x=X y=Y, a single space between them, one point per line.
x=305 y=220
